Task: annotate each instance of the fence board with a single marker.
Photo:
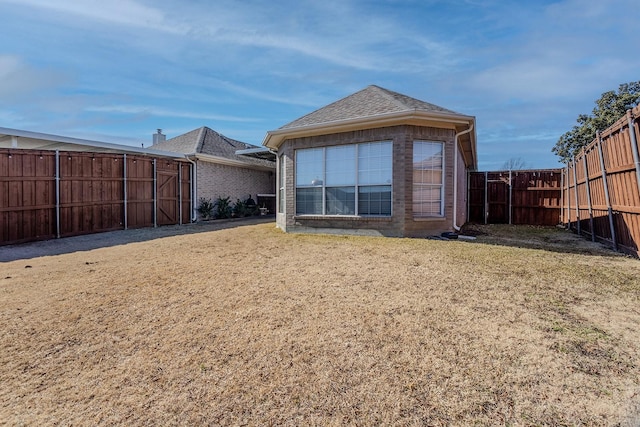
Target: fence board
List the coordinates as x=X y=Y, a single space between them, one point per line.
x=91 y=193
x=27 y=205
x=618 y=221
x=516 y=197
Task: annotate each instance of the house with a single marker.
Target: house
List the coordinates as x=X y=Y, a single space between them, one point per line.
x=224 y=167
x=376 y=162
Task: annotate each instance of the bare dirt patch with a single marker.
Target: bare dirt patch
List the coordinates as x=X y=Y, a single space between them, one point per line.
x=251 y=326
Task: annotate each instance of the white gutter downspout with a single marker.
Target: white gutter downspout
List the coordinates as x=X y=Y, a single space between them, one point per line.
x=456 y=227
x=194 y=187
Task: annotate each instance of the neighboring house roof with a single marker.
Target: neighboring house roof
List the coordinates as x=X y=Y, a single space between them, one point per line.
x=22 y=139
x=375 y=107
x=208 y=145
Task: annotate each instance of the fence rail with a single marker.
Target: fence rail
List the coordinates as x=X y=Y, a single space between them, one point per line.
x=601 y=190
x=47 y=194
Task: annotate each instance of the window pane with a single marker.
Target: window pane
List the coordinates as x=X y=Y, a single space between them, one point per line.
x=428 y=164
x=427 y=155
x=426 y=209
x=341 y=165
x=375 y=163
x=309 y=201
x=309 y=167
x=341 y=201
x=374 y=200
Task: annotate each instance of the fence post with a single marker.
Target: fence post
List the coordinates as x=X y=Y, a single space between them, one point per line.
x=124 y=193
x=486 y=207
x=179 y=193
x=605 y=185
x=586 y=180
x=155 y=192
x=510 y=203
x=568 y=198
x=57 y=194
x=634 y=146
x=562 y=196
x=575 y=190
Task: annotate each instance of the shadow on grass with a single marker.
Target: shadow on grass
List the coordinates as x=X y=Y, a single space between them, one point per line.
x=553 y=239
x=120 y=237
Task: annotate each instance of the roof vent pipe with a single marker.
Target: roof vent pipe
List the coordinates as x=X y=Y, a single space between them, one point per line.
x=159 y=137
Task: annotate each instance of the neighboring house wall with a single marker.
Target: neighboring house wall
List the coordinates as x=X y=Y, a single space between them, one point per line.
x=216 y=180
x=401 y=222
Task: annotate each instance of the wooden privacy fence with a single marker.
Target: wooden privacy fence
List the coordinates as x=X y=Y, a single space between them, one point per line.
x=515 y=197
x=46 y=194
x=602 y=187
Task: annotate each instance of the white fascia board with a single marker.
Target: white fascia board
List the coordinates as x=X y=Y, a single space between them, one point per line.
x=253 y=150
x=274 y=138
x=229 y=162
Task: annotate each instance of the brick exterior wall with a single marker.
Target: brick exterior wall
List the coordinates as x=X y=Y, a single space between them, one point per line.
x=216 y=180
x=401 y=223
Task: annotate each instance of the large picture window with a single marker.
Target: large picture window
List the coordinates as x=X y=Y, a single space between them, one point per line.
x=428 y=179
x=353 y=179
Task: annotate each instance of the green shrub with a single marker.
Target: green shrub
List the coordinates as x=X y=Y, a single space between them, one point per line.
x=223 y=207
x=205 y=208
x=240 y=209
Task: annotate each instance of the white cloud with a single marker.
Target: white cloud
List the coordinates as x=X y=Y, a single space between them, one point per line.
x=161 y=112
x=124 y=12
x=19 y=80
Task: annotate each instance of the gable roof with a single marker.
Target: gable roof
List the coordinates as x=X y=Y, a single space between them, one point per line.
x=376 y=107
x=370 y=101
x=208 y=145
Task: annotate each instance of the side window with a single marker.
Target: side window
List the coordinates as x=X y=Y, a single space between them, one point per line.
x=428 y=179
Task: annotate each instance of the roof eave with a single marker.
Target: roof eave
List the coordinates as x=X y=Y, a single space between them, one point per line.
x=469 y=151
x=77 y=144
x=275 y=138
x=230 y=162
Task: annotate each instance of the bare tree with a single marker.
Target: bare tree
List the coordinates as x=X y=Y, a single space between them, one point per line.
x=514 y=164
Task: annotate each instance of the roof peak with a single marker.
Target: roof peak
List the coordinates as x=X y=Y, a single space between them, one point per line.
x=369 y=102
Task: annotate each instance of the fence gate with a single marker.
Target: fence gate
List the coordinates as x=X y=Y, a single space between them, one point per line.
x=168 y=208
x=515 y=197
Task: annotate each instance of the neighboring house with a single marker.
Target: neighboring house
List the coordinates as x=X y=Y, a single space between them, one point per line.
x=224 y=167
x=375 y=162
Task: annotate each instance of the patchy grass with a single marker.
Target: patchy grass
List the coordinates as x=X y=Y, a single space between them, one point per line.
x=256 y=327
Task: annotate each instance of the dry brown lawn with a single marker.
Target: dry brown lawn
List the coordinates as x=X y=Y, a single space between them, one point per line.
x=251 y=326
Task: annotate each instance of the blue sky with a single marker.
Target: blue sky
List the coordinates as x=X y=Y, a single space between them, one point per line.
x=117 y=70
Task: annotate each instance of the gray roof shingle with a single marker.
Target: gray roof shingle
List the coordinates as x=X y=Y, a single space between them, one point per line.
x=207 y=141
x=370 y=101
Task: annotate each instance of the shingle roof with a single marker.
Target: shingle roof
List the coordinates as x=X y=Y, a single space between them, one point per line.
x=207 y=141
x=370 y=101
x=186 y=143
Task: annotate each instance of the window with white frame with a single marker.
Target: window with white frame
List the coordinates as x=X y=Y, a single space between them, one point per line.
x=353 y=179
x=428 y=179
